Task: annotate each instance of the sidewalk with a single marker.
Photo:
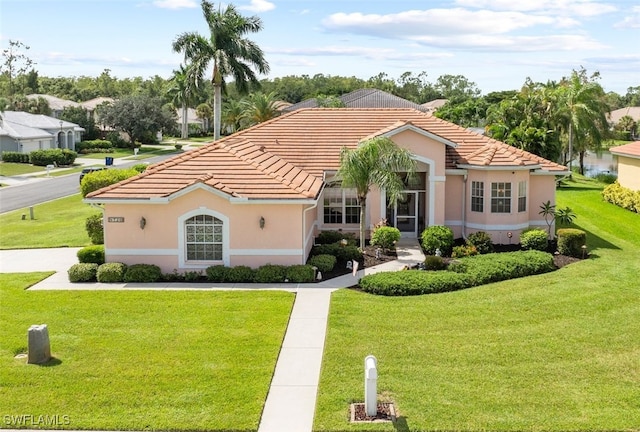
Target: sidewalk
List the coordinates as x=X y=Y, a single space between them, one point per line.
x=291 y=401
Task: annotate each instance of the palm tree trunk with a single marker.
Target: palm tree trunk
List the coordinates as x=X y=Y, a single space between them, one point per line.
x=217 y=110
x=363 y=220
x=185 y=128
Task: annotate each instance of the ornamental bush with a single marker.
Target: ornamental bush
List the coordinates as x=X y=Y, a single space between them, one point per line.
x=111 y=272
x=270 y=273
x=342 y=252
x=385 y=237
x=83 y=272
x=328 y=237
x=60 y=157
x=15 y=157
x=413 y=282
x=91 y=254
x=218 y=273
x=437 y=237
x=570 y=242
x=622 y=197
x=99 y=179
x=300 y=273
x=481 y=241
x=95 y=228
x=534 y=239
x=432 y=262
x=241 y=274
x=143 y=273
x=324 y=263
x=463 y=251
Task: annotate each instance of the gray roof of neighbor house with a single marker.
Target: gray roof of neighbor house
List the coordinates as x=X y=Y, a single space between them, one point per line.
x=23 y=125
x=363 y=98
x=91 y=104
x=55 y=103
x=616 y=115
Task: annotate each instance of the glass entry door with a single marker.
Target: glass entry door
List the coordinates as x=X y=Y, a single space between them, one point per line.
x=406 y=215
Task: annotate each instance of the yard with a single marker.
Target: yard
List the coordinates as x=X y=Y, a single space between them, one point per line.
x=140 y=360
x=559 y=351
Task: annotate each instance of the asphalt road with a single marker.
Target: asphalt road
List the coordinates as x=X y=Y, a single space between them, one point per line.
x=45 y=189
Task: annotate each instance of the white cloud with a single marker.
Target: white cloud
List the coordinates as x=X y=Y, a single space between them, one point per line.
x=496 y=43
x=583 y=8
x=378 y=54
x=630 y=21
x=175 y=4
x=258 y=6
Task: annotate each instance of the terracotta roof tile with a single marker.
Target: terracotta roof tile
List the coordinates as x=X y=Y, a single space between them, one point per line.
x=286 y=157
x=632 y=149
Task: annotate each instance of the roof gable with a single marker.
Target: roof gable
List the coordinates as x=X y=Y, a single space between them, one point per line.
x=631 y=150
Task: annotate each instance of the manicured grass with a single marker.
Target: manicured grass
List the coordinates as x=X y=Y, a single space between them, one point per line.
x=141 y=360
x=143 y=153
x=56 y=223
x=559 y=351
x=9 y=169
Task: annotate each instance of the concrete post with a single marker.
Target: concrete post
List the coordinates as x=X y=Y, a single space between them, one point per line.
x=370 y=385
x=39 y=350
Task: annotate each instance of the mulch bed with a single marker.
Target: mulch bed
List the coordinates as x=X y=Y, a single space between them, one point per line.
x=386 y=413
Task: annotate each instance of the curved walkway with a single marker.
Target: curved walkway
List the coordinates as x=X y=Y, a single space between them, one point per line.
x=291 y=401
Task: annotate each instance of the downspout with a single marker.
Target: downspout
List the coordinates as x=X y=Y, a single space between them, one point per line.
x=464 y=206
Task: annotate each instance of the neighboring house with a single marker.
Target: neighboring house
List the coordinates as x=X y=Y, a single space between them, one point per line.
x=433 y=105
x=616 y=115
x=24 y=132
x=262 y=194
x=92 y=104
x=363 y=98
x=56 y=104
x=628 y=164
x=192 y=118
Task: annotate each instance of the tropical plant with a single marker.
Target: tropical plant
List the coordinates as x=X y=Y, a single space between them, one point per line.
x=227 y=48
x=548 y=211
x=181 y=89
x=205 y=113
x=376 y=162
x=258 y=107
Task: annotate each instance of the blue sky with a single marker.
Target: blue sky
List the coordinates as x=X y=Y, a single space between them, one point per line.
x=495 y=43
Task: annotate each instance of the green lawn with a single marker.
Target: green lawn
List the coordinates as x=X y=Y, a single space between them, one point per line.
x=143 y=153
x=141 y=360
x=56 y=223
x=9 y=169
x=559 y=351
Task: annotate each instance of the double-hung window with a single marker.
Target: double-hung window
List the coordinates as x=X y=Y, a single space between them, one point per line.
x=477 y=196
x=522 y=196
x=500 y=197
x=340 y=206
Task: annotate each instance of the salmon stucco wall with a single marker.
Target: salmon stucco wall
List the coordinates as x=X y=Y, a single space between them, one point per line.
x=453 y=217
x=279 y=241
x=629 y=172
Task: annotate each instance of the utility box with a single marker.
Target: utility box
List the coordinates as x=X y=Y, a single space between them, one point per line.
x=39 y=350
x=370 y=385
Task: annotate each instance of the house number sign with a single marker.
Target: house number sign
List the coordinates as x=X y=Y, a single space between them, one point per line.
x=117 y=219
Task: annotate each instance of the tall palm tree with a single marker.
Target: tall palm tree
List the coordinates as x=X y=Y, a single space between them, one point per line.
x=259 y=107
x=227 y=48
x=232 y=113
x=583 y=114
x=181 y=89
x=376 y=162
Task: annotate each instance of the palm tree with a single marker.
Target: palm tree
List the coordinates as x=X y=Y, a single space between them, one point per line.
x=583 y=113
x=230 y=53
x=232 y=115
x=376 y=162
x=259 y=107
x=181 y=93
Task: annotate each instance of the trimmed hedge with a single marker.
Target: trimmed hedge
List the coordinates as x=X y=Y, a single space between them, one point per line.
x=15 y=157
x=270 y=273
x=241 y=274
x=300 y=273
x=570 y=242
x=481 y=241
x=60 y=157
x=94 y=146
x=83 y=272
x=432 y=262
x=111 y=272
x=535 y=239
x=328 y=237
x=218 y=273
x=622 y=197
x=342 y=252
x=99 y=179
x=95 y=228
x=385 y=237
x=324 y=263
x=463 y=273
x=143 y=273
x=91 y=254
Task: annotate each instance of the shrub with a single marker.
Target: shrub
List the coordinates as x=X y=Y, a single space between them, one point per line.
x=241 y=274
x=117 y=141
x=218 y=273
x=622 y=197
x=193 y=276
x=111 y=272
x=606 y=178
x=328 y=237
x=52 y=157
x=482 y=242
x=324 y=263
x=91 y=254
x=432 y=262
x=99 y=179
x=413 y=282
x=437 y=237
x=173 y=276
x=178 y=146
x=15 y=157
x=95 y=228
x=385 y=237
x=270 y=273
x=463 y=251
x=94 y=146
x=341 y=252
x=143 y=273
x=141 y=167
x=300 y=273
x=570 y=241
x=83 y=272
x=534 y=239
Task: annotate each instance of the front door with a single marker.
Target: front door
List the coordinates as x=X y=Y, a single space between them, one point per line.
x=406 y=215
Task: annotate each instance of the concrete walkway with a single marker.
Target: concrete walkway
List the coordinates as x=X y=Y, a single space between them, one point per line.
x=291 y=401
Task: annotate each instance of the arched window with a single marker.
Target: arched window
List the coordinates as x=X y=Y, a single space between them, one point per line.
x=203 y=238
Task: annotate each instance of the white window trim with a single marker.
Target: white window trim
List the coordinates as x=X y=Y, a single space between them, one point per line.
x=510 y=198
x=477 y=196
x=525 y=196
x=182 y=242
x=343 y=206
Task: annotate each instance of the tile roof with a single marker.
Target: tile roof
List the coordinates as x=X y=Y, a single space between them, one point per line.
x=630 y=150
x=363 y=98
x=55 y=103
x=24 y=125
x=92 y=104
x=286 y=157
x=616 y=115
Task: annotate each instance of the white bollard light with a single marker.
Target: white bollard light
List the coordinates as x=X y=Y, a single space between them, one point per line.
x=370 y=385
